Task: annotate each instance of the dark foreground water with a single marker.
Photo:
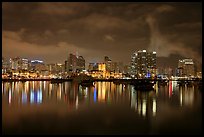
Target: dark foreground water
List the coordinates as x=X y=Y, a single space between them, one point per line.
x=43 y=108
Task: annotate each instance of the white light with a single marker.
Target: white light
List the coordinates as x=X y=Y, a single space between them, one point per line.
x=144 y=108
x=144 y=50
x=37 y=61
x=154 y=107
x=154 y=52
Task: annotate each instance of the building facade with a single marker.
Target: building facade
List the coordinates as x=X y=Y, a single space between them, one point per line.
x=143 y=64
x=75 y=63
x=108 y=63
x=186 y=68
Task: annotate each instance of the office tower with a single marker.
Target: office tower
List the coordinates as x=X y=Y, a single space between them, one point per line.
x=186 y=68
x=143 y=64
x=107 y=62
x=76 y=63
x=25 y=64
x=66 y=67
x=15 y=63
x=6 y=67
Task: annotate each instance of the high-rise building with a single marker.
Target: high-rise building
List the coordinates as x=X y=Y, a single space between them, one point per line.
x=15 y=63
x=80 y=63
x=25 y=64
x=107 y=61
x=6 y=67
x=76 y=63
x=186 y=68
x=143 y=64
x=66 y=67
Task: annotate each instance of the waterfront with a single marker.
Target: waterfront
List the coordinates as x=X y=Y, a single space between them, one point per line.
x=107 y=108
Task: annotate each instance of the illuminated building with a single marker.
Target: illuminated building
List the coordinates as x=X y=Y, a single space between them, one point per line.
x=102 y=67
x=186 y=68
x=143 y=64
x=107 y=61
x=25 y=64
x=35 y=62
x=75 y=63
x=66 y=68
x=5 y=65
x=15 y=63
x=80 y=63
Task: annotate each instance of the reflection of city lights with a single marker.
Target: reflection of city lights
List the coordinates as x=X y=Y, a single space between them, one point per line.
x=33 y=85
x=10 y=96
x=154 y=107
x=139 y=107
x=95 y=95
x=50 y=90
x=144 y=108
x=133 y=100
x=103 y=90
x=156 y=87
x=2 y=88
x=86 y=92
x=120 y=89
x=24 y=97
x=12 y=87
x=181 y=98
x=39 y=97
x=170 y=89
x=31 y=97
x=59 y=92
x=44 y=84
x=26 y=86
x=77 y=102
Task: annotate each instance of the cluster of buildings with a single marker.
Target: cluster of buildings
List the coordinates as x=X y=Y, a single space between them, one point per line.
x=22 y=67
x=142 y=65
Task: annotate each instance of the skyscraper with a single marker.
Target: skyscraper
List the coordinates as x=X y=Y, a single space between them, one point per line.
x=186 y=67
x=143 y=64
x=75 y=63
x=107 y=61
x=25 y=64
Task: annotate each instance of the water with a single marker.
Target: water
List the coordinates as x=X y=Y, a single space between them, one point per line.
x=67 y=108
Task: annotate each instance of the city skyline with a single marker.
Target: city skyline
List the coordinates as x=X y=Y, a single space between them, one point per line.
x=95 y=30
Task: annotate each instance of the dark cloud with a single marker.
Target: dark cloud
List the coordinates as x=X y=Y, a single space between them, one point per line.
x=99 y=29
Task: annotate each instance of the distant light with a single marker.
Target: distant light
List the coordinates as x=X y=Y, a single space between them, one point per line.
x=154 y=52
x=144 y=51
x=37 y=61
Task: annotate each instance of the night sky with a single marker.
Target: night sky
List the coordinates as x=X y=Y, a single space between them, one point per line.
x=50 y=31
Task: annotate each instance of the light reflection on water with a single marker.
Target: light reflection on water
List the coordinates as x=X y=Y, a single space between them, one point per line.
x=144 y=104
x=31 y=92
